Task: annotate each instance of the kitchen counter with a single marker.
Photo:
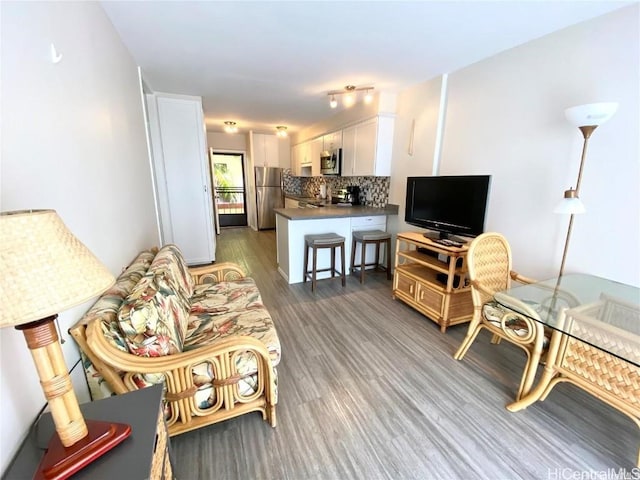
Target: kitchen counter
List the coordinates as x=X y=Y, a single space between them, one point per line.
x=292 y=224
x=333 y=211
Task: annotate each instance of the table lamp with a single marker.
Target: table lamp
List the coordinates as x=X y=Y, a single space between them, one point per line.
x=587 y=118
x=44 y=269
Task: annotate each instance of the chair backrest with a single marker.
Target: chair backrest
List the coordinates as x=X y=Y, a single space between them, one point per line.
x=489 y=265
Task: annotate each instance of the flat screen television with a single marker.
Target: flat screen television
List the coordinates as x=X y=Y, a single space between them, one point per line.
x=448 y=205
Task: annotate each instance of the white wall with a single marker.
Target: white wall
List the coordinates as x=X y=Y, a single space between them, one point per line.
x=224 y=141
x=505 y=117
x=73 y=140
x=418 y=108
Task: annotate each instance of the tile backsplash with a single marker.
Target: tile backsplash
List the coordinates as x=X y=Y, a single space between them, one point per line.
x=374 y=191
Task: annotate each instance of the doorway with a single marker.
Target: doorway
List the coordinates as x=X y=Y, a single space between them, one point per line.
x=229 y=193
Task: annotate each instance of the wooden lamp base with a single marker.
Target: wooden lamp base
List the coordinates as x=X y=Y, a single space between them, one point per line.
x=61 y=462
x=77 y=442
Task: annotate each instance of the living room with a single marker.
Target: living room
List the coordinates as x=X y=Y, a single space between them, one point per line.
x=73 y=140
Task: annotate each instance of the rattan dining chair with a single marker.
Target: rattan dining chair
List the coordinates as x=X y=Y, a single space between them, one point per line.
x=489 y=271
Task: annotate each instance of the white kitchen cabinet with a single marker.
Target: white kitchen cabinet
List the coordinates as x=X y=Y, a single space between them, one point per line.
x=315 y=152
x=307 y=158
x=332 y=140
x=367 y=147
x=181 y=175
x=265 y=150
x=376 y=222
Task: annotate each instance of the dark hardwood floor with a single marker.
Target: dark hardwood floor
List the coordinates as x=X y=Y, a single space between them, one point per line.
x=369 y=389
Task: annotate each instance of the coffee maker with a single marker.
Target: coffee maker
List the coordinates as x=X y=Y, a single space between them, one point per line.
x=353 y=195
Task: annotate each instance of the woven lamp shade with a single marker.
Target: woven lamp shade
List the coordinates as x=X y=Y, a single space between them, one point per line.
x=44 y=269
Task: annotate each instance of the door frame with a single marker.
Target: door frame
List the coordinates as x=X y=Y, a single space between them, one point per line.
x=226 y=151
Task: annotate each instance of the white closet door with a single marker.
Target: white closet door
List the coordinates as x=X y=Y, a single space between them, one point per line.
x=183 y=183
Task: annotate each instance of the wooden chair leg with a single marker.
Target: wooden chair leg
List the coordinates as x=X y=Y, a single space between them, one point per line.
x=474 y=327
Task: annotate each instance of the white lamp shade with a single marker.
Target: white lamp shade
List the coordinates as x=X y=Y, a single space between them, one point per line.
x=592 y=114
x=570 y=206
x=44 y=269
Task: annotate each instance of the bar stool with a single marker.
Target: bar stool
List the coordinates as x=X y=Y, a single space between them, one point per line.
x=323 y=240
x=369 y=238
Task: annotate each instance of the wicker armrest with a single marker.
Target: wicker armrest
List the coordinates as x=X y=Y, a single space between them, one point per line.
x=217 y=272
x=520 y=278
x=128 y=362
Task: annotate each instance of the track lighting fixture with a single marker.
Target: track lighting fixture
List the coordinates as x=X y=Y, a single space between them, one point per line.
x=350 y=93
x=230 y=127
x=281 y=131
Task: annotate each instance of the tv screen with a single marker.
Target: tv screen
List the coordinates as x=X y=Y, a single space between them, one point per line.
x=450 y=205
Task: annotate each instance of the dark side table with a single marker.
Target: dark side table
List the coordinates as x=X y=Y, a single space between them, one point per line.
x=144 y=454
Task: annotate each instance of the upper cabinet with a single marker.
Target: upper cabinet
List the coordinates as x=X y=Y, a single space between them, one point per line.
x=315 y=152
x=305 y=158
x=331 y=141
x=367 y=147
x=266 y=151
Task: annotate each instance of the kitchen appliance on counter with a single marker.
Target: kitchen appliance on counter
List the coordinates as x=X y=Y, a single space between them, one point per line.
x=353 y=195
x=349 y=195
x=331 y=162
x=269 y=195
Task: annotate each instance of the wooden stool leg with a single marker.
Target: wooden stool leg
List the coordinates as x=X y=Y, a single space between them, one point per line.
x=333 y=262
x=343 y=274
x=315 y=267
x=305 y=273
x=363 y=259
x=354 y=244
x=387 y=252
x=377 y=254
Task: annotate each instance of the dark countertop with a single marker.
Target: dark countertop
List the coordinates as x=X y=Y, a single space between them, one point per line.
x=332 y=211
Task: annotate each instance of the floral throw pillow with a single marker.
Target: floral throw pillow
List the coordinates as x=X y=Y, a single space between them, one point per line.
x=153 y=318
x=170 y=263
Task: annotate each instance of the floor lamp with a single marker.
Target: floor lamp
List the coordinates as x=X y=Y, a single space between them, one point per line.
x=587 y=118
x=44 y=269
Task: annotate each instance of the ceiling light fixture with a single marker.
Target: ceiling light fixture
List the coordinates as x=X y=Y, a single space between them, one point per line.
x=350 y=93
x=281 y=131
x=230 y=127
x=368 y=98
x=349 y=97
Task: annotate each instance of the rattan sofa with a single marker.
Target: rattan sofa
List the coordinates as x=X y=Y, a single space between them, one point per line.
x=203 y=332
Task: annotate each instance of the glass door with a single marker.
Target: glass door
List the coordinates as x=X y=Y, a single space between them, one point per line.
x=229 y=194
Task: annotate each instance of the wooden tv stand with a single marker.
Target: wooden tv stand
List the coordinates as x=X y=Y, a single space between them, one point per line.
x=433 y=279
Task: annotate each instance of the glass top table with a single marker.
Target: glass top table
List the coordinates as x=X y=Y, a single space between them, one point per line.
x=597 y=311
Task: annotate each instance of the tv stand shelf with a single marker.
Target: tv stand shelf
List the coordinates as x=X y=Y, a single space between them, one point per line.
x=433 y=281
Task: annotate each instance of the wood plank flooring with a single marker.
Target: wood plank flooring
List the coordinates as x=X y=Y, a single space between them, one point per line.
x=369 y=389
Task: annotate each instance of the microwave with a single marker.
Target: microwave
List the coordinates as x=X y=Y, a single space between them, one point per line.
x=331 y=162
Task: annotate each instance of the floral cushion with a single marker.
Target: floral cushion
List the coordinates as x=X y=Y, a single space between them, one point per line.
x=230 y=308
x=153 y=318
x=224 y=309
x=494 y=312
x=170 y=263
x=106 y=309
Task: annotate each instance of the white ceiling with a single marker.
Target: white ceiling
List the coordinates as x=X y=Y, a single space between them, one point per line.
x=264 y=64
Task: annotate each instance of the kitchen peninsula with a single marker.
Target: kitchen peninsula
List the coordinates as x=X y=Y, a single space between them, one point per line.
x=292 y=224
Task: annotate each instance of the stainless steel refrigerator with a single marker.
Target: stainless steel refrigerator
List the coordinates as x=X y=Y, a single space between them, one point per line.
x=269 y=195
